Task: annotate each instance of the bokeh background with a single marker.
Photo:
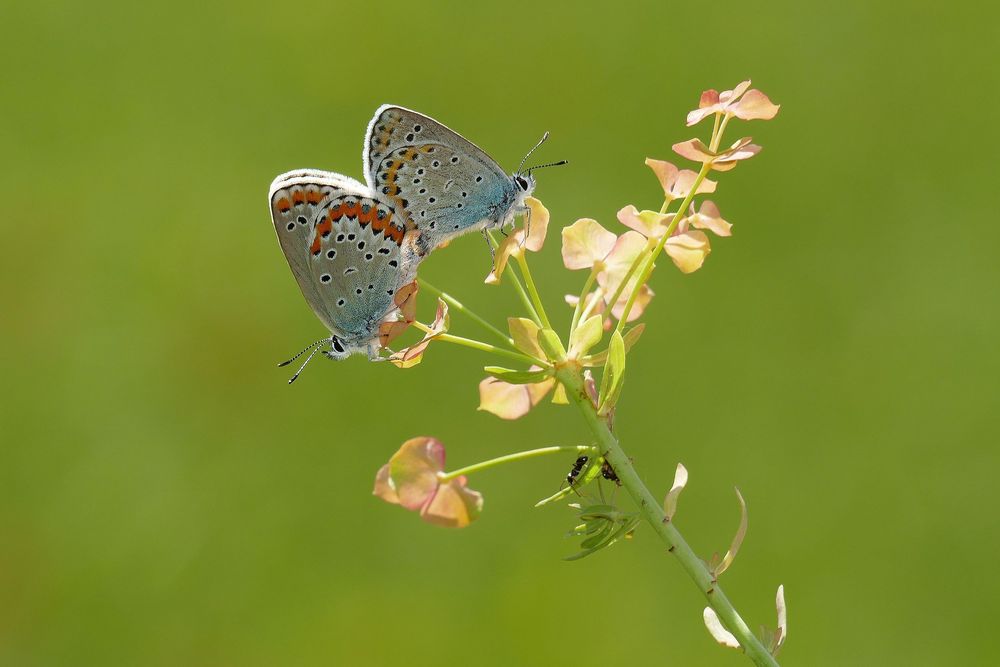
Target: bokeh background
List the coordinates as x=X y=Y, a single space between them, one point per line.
x=166 y=499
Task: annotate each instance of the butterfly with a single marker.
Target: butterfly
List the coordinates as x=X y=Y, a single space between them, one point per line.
x=353 y=247
x=442 y=183
x=350 y=255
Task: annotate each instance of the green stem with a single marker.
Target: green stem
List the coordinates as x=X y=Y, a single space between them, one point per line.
x=597 y=268
x=518 y=287
x=652 y=512
x=636 y=263
x=457 y=305
x=592 y=303
x=529 y=282
x=478 y=345
x=510 y=458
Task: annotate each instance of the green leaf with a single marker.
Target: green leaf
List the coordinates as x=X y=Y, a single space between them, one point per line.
x=548 y=341
x=614 y=375
x=518 y=377
x=585 y=336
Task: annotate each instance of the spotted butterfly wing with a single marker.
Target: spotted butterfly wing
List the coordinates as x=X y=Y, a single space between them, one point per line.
x=442 y=184
x=347 y=251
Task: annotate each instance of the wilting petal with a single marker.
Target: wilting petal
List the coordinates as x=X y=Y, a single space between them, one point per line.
x=688 y=250
x=642 y=300
x=511 y=401
x=413 y=471
x=517 y=242
x=708 y=217
x=412 y=355
x=628 y=247
x=406 y=300
x=454 y=505
x=584 y=243
x=383 y=486
x=650 y=224
x=755 y=105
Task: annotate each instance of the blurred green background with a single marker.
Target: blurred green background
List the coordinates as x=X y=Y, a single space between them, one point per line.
x=166 y=499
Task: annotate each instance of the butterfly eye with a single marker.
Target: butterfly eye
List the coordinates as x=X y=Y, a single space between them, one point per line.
x=337 y=346
x=521 y=183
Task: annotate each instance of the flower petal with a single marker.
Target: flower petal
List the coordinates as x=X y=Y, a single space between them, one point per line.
x=539 y=224
x=688 y=250
x=412 y=355
x=694 y=149
x=629 y=246
x=454 y=505
x=511 y=401
x=383 y=486
x=728 y=97
x=406 y=300
x=708 y=217
x=685 y=181
x=584 y=243
x=665 y=172
x=651 y=224
x=755 y=105
x=413 y=471
x=645 y=295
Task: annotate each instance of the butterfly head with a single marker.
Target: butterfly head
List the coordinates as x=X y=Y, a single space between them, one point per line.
x=338 y=349
x=525 y=184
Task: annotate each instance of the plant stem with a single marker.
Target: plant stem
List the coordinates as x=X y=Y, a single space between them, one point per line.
x=636 y=263
x=457 y=305
x=652 y=512
x=529 y=282
x=518 y=287
x=597 y=268
x=510 y=458
x=478 y=345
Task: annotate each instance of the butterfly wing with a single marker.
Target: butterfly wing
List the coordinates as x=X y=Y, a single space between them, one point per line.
x=345 y=248
x=442 y=183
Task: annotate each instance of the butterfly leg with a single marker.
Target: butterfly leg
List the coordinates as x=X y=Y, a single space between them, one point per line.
x=493 y=252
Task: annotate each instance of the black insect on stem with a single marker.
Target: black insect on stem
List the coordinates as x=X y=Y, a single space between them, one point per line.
x=577 y=469
x=607 y=472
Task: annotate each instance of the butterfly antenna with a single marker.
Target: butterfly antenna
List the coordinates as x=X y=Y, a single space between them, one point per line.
x=308 y=347
x=308 y=359
x=525 y=159
x=550 y=164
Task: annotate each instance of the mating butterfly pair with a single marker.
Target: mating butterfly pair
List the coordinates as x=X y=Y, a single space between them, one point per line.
x=353 y=247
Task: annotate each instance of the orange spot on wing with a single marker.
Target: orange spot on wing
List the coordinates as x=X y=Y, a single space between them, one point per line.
x=283 y=205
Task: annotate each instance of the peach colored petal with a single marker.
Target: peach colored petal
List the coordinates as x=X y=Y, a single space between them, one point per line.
x=688 y=250
x=383 y=486
x=406 y=300
x=650 y=224
x=629 y=246
x=454 y=505
x=414 y=469
x=708 y=217
x=665 y=172
x=685 y=181
x=511 y=401
x=412 y=355
x=584 y=243
x=539 y=224
x=755 y=105
x=646 y=295
x=694 y=149
x=728 y=97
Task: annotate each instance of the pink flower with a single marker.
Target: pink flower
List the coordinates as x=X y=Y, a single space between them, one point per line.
x=414 y=478
x=694 y=149
x=740 y=102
